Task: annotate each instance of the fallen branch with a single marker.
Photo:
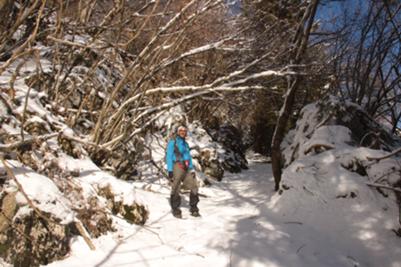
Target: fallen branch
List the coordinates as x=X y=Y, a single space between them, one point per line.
x=293 y=222
x=395 y=152
x=384 y=186
x=301 y=247
x=84 y=234
x=81 y=141
x=20 y=144
x=23 y=119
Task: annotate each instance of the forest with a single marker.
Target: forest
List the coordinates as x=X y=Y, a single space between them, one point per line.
x=293 y=112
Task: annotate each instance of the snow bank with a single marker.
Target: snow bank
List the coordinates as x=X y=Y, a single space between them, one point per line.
x=335 y=203
x=326 y=191
x=92 y=179
x=41 y=191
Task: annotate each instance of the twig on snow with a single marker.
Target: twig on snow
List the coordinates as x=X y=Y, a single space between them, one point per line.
x=395 y=152
x=384 y=186
x=301 y=247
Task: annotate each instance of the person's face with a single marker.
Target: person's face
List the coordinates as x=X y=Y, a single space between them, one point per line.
x=182 y=133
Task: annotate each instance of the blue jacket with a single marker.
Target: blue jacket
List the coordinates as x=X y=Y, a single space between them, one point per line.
x=183 y=147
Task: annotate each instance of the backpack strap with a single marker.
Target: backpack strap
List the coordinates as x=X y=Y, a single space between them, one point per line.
x=178 y=155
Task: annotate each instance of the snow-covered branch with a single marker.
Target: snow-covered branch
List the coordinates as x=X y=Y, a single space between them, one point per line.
x=175 y=102
x=17 y=145
x=183 y=89
x=262 y=74
x=135 y=64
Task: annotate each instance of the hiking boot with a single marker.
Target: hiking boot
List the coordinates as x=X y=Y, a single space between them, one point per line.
x=175 y=201
x=177 y=213
x=195 y=213
x=193 y=202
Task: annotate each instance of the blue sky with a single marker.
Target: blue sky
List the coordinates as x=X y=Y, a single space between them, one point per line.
x=331 y=9
x=327 y=9
x=235 y=6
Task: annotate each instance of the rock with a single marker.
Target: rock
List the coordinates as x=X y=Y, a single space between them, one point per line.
x=122 y=163
x=331 y=114
x=210 y=164
x=134 y=213
x=359 y=122
x=36 y=126
x=32 y=241
x=28 y=157
x=230 y=138
x=69 y=147
x=94 y=218
x=8 y=210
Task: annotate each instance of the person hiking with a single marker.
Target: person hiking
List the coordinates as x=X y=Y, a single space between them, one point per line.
x=180 y=170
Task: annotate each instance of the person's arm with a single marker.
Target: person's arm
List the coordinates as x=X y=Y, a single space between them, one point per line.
x=170 y=156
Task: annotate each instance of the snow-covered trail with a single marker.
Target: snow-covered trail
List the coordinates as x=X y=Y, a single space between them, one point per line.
x=240 y=226
x=229 y=233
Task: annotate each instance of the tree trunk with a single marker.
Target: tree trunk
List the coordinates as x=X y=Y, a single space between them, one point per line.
x=279 y=132
x=300 y=41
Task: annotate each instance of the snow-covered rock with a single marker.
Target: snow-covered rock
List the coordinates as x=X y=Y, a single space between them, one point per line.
x=329 y=124
x=233 y=159
x=329 y=167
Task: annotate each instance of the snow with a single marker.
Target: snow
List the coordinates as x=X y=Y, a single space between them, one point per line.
x=10 y=130
x=303 y=129
x=92 y=178
x=336 y=204
x=245 y=223
x=42 y=191
x=330 y=136
x=326 y=216
x=4 y=264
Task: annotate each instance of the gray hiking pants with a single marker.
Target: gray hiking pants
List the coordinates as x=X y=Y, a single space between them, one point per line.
x=188 y=180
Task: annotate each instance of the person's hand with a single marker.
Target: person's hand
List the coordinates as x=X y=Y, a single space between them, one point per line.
x=170 y=176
